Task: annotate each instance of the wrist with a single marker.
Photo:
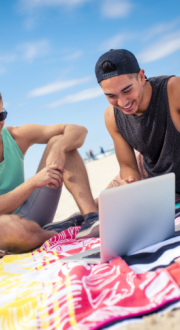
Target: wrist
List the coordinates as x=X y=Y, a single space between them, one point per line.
x=32 y=183
x=59 y=145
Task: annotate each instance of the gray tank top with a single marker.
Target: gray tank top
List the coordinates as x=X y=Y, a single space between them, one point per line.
x=153 y=134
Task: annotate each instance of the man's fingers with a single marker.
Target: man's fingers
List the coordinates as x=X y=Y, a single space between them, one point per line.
x=131 y=179
x=55 y=183
x=57 y=167
x=123 y=182
x=57 y=175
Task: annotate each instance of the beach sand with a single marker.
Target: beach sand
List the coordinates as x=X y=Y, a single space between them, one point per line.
x=100 y=173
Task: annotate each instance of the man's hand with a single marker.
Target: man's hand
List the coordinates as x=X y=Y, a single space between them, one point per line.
x=51 y=176
x=130 y=179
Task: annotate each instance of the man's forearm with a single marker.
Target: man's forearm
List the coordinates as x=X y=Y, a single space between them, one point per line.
x=73 y=137
x=15 y=198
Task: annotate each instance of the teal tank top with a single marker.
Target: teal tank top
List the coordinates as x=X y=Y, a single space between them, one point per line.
x=12 y=167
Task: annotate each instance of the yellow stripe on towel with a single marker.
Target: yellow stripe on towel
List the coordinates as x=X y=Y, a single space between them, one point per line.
x=70 y=304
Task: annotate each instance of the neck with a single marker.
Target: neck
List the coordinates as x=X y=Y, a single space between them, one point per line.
x=146 y=98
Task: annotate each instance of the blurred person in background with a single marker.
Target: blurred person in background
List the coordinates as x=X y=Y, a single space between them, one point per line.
x=91 y=153
x=102 y=151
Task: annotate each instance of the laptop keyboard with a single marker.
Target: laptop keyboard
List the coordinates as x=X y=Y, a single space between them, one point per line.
x=94 y=255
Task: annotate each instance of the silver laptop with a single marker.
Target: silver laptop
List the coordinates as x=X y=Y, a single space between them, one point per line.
x=133 y=217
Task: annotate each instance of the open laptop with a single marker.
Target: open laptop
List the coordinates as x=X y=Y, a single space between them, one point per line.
x=132 y=217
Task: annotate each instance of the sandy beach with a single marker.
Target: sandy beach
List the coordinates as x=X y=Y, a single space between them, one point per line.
x=100 y=173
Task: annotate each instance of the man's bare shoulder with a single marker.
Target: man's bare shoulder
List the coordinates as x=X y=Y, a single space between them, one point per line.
x=174 y=90
x=109 y=112
x=12 y=129
x=174 y=82
x=19 y=135
x=109 y=119
x=16 y=131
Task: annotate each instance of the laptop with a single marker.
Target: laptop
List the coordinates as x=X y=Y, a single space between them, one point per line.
x=132 y=217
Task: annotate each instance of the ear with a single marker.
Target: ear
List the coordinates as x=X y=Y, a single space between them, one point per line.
x=141 y=77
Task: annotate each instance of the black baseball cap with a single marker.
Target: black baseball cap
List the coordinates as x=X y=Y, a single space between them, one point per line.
x=123 y=60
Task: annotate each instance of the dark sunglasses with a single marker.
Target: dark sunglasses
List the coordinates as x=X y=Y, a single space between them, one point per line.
x=3 y=115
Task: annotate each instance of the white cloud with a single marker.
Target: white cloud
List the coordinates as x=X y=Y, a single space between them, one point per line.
x=116 y=8
x=160 y=28
x=8 y=58
x=73 y=56
x=87 y=94
x=32 y=8
x=33 y=4
x=27 y=51
x=113 y=43
x=160 y=49
x=57 y=86
x=31 y=50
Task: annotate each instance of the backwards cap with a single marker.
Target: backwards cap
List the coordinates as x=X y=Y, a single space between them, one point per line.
x=124 y=61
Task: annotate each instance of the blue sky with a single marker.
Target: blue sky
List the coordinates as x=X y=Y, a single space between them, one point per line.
x=48 y=52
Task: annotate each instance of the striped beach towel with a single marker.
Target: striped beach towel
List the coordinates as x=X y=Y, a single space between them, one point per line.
x=38 y=292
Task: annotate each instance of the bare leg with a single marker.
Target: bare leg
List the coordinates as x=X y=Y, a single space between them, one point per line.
x=19 y=235
x=75 y=179
x=42 y=163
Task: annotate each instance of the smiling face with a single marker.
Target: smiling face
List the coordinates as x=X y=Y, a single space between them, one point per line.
x=125 y=92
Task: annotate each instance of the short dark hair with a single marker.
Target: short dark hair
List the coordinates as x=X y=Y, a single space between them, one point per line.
x=133 y=75
x=108 y=66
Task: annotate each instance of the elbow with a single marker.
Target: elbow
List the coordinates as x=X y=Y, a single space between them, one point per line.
x=83 y=133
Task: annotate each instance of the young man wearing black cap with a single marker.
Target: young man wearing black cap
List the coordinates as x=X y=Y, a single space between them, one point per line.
x=143 y=115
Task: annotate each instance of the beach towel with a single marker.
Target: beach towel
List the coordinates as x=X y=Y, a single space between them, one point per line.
x=38 y=292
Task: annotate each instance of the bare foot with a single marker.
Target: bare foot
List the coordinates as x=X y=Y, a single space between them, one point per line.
x=19 y=235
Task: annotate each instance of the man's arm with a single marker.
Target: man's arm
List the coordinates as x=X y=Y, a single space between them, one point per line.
x=72 y=136
x=173 y=88
x=63 y=138
x=125 y=154
x=48 y=176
